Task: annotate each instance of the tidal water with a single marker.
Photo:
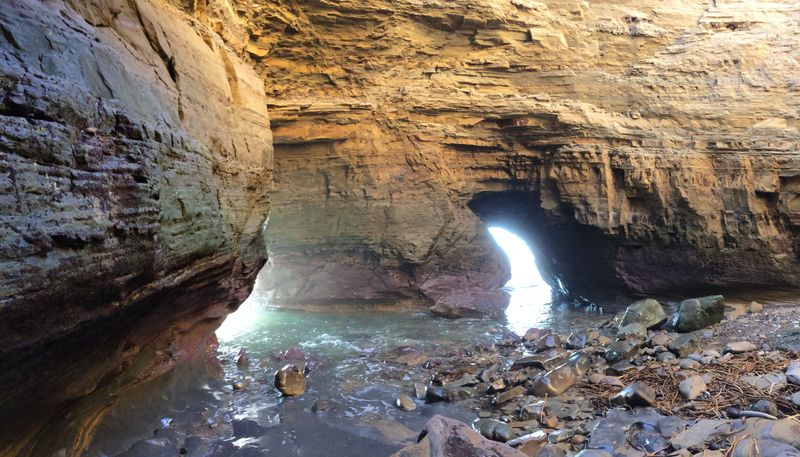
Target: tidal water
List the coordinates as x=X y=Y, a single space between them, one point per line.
x=355 y=378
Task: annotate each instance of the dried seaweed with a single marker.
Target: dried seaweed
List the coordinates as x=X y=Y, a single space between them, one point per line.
x=725 y=390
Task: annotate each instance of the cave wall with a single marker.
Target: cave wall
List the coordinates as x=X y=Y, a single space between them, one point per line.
x=135 y=167
x=658 y=139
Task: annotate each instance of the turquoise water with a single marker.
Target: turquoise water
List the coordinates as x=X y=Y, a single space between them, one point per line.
x=355 y=371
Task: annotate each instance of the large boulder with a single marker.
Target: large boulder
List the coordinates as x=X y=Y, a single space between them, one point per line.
x=648 y=312
x=696 y=313
x=445 y=437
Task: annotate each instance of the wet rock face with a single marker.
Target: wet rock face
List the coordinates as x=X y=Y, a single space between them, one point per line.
x=135 y=159
x=676 y=174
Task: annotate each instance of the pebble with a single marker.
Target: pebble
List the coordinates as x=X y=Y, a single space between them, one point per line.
x=405 y=403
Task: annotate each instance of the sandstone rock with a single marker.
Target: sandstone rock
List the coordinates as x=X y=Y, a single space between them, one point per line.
x=290 y=380
x=697 y=313
x=510 y=394
x=648 y=313
x=665 y=356
x=242 y=359
x=755 y=307
x=596 y=378
x=447 y=437
x=132 y=205
x=692 y=387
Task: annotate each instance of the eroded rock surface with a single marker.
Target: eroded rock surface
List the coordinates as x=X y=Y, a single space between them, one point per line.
x=135 y=163
x=645 y=146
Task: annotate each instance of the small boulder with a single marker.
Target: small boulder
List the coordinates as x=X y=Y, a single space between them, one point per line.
x=649 y=313
x=290 y=380
x=697 y=313
x=766 y=407
x=242 y=359
x=510 y=394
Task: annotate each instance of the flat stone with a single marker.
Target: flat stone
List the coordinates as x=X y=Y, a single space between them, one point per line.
x=509 y=394
x=740 y=347
x=604 y=380
x=692 y=387
x=697 y=313
x=620 y=367
x=636 y=394
x=703 y=431
x=769 y=382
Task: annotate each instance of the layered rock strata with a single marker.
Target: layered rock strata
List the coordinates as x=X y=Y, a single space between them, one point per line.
x=642 y=146
x=135 y=164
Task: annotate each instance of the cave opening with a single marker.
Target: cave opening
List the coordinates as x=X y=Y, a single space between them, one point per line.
x=529 y=292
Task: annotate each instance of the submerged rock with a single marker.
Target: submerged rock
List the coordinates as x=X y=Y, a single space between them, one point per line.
x=290 y=380
x=696 y=313
x=405 y=403
x=649 y=313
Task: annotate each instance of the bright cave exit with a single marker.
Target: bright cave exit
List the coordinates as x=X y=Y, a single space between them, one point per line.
x=530 y=294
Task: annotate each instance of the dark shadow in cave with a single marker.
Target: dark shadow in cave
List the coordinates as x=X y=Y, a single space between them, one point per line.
x=574 y=259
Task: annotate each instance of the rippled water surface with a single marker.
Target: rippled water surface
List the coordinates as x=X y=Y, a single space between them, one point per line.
x=355 y=372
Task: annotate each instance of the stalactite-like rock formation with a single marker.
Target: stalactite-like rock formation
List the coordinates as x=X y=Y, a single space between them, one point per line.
x=657 y=143
x=135 y=163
